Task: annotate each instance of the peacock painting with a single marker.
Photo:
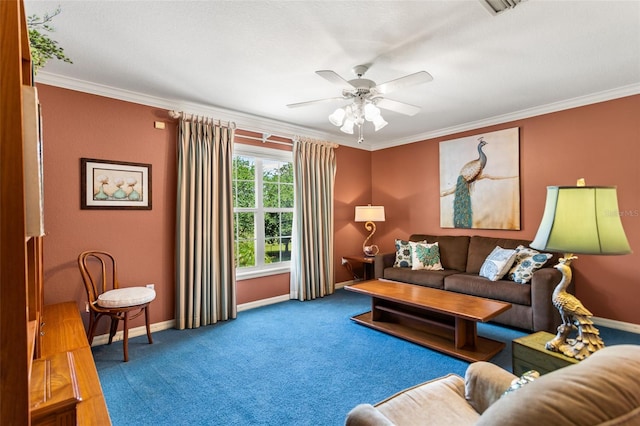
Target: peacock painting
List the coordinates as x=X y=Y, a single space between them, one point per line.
x=479 y=181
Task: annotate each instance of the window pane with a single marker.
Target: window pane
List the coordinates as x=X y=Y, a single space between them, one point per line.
x=286 y=224
x=270 y=195
x=286 y=195
x=271 y=225
x=272 y=250
x=245 y=253
x=285 y=253
x=244 y=195
x=244 y=168
x=245 y=226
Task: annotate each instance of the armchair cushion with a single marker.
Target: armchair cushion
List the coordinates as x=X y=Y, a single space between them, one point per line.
x=437 y=402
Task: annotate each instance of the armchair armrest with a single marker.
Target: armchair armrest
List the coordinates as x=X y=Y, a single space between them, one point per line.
x=366 y=415
x=383 y=260
x=484 y=384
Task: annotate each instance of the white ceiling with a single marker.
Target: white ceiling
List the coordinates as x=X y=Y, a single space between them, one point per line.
x=245 y=60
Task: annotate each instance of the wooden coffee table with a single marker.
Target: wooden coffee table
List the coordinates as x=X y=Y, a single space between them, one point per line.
x=437 y=319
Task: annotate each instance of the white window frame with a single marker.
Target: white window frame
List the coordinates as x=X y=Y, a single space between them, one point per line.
x=261 y=270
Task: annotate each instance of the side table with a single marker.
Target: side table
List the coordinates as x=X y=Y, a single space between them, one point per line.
x=529 y=353
x=367 y=262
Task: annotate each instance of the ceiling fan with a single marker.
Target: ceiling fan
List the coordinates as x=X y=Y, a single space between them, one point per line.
x=367 y=98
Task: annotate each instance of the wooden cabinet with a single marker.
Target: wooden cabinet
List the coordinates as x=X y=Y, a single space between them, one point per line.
x=20 y=256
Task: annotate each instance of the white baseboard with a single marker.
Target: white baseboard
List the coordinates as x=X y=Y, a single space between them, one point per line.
x=103 y=339
x=263 y=302
x=343 y=283
x=618 y=325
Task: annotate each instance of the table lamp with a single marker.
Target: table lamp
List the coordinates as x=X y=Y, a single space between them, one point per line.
x=370 y=214
x=578 y=220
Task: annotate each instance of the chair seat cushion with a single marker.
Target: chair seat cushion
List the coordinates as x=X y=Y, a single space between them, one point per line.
x=124 y=297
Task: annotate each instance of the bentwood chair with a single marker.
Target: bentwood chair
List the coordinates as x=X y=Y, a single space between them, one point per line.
x=106 y=298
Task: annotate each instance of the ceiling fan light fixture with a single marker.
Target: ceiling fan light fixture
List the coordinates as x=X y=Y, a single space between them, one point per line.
x=337 y=117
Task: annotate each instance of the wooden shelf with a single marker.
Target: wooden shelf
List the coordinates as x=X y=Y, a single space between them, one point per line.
x=484 y=350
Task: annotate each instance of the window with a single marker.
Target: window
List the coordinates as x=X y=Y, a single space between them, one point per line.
x=263 y=210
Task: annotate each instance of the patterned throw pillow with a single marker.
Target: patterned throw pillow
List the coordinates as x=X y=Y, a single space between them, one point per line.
x=403 y=254
x=527 y=262
x=425 y=256
x=498 y=263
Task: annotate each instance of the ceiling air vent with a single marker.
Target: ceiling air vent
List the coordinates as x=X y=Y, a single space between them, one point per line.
x=496 y=6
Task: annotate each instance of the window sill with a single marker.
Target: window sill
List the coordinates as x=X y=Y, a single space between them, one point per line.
x=262 y=272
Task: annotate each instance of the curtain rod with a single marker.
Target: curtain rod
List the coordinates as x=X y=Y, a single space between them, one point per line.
x=265 y=136
x=191 y=117
x=264 y=139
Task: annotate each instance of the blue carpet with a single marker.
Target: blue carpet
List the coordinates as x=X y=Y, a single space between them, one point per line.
x=292 y=363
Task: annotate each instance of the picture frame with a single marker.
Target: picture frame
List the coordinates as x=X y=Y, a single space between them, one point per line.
x=114 y=185
x=480 y=181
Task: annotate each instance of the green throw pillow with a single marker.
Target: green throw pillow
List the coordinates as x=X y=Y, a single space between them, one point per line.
x=425 y=256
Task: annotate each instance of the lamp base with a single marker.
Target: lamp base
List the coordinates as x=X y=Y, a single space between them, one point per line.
x=575 y=317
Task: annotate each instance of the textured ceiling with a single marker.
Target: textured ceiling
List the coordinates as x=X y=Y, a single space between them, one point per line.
x=245 y=60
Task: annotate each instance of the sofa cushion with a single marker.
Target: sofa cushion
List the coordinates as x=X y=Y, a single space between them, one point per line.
x=603 y=389
x=453 y=249
x=425 y=256
x=526 y=263
x=503 y=290
x=481 y=247
x=497 y=264
x=404 y=254
x=438 y=402
x=433 y=279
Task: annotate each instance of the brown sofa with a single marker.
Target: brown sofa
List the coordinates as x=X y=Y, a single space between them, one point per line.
x=602 y=390
x=462 y=257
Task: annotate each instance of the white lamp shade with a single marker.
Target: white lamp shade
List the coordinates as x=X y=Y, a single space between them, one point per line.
x=337 y=117
x=370 y=214
x=581 y=220
x=379 y=123
x=348 y=126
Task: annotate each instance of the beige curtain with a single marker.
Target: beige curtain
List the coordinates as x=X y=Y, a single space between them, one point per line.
x=314 y=168
x=205 y=271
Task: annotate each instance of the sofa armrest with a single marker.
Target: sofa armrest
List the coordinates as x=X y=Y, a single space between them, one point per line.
x=366 y=415
x=484 y=384
x=545 y=316
x=383 y=260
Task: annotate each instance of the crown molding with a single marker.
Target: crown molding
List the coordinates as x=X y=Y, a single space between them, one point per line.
x=607 y=95
x=279 y=128
x=243 y=121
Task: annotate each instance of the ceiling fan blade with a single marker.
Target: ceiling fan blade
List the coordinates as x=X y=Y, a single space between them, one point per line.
x=408 y=80
x=317 y=101
x=333 y=77
x=401 y=107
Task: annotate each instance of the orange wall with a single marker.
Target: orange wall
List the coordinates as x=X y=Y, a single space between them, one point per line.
x=599 y=142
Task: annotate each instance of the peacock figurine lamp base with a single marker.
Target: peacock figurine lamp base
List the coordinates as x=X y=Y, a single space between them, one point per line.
x=575 y=319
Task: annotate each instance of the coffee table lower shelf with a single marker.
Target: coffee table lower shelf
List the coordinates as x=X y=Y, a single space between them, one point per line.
x=435 y=337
